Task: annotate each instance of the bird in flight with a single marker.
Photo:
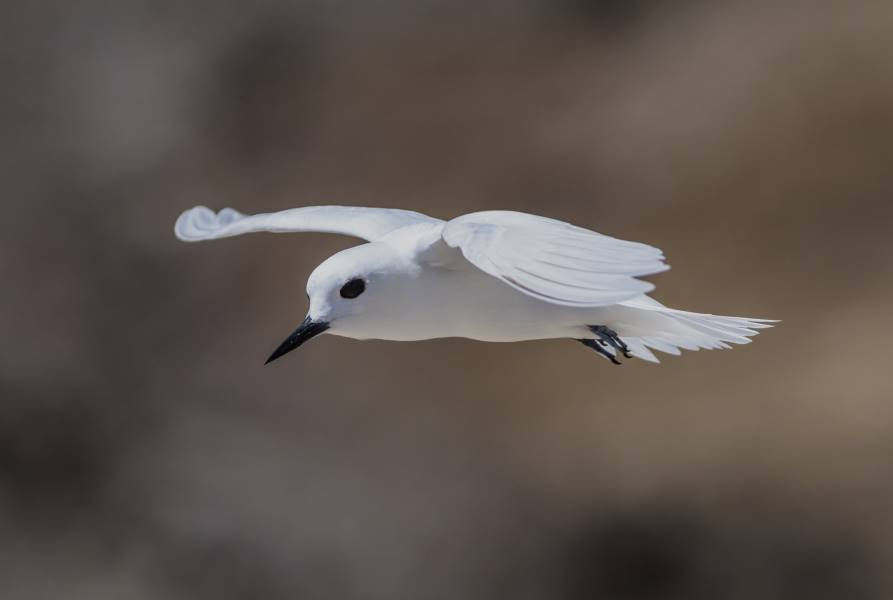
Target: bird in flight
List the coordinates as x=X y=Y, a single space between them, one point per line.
x=495 y=276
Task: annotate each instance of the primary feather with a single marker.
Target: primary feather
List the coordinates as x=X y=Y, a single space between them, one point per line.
x=554 y=261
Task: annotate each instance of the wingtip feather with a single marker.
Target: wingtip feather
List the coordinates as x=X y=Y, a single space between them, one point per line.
x=187 y=228
x=200 y=223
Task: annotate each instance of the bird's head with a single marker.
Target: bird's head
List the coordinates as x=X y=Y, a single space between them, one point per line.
x=345 y=290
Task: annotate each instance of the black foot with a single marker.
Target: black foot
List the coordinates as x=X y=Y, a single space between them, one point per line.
x=598 y=346
x=608 y=336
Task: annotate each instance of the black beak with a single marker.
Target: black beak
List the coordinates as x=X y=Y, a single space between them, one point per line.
x=304 y=332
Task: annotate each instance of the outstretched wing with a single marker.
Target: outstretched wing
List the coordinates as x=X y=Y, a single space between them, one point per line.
x=201 y=223
x=554 y=261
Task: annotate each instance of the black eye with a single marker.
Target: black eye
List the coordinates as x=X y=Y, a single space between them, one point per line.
x=353 y=288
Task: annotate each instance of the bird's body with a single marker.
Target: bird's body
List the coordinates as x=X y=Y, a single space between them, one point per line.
x=496 y=276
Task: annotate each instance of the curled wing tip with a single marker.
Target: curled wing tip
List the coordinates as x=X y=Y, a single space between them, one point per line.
x=191 y=224
x=201 y=223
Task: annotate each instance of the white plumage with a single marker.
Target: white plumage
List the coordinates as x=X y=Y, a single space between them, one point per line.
x=492 y=276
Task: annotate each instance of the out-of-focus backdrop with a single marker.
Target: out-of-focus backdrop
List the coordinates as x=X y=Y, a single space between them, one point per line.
x=145 y=452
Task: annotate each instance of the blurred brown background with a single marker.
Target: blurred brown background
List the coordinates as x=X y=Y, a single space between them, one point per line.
x=145 y=452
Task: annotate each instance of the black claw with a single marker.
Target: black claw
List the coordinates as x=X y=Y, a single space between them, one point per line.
x=606 y=335
x=599 y=346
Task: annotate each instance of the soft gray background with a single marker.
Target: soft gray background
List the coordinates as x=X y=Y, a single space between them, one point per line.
x=145 y=452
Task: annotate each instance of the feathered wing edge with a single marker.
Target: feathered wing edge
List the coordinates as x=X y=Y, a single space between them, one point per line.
x=201 y=223
x=553 y=261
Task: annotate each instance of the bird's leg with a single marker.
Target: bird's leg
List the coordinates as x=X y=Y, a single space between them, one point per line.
x=598 y=346
x=608 y=336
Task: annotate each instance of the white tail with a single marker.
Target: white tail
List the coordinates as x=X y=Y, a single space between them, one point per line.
x=656 y=327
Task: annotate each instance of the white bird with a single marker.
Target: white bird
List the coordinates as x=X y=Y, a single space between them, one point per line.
x=495 y=276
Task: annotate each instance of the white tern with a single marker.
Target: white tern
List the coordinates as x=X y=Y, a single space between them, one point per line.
x=495 y=276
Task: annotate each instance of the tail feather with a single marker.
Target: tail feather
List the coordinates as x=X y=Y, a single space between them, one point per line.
x=638 y=349
x=655 y=327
